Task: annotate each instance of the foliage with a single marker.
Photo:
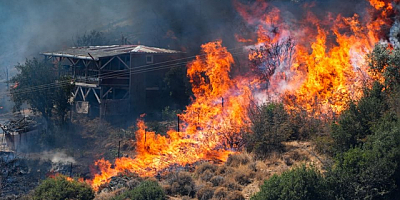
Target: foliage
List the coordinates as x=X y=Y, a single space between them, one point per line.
x=356 y=123
x=147 y=190
x=270 y=127
x=384 y=62
x=370 y=171
x=298 y=183
x=93 y=38
x=59 y=188
x=36 y=85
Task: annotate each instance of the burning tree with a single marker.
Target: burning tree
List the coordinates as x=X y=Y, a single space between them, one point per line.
x=268 y=59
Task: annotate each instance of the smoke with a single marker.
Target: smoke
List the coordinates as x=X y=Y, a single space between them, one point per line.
x=394 y=34
x=57 y=157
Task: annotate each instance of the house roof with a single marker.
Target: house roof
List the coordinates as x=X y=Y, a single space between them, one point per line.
x=98 y=52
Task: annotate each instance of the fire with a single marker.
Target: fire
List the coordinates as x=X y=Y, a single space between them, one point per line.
x=328 y=66
x=311 y=64
x=211 y=124
x=63 y=176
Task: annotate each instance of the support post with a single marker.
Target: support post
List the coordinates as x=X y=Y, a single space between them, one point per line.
x=178 y=124
x=119 y=148
x=8 y=86
x=70 y=171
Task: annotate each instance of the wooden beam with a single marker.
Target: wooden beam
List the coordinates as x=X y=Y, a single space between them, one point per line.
x=123 y=62
x=87 y=93
x=95 y=94
x=126 y=94
x=108 y=91
x=74 y=94
x=72 y=62
x=107 y=62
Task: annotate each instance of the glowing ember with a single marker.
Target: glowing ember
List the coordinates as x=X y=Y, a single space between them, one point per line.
x=211 y=123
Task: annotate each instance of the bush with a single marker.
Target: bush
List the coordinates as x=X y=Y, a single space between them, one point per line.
x=220 y=193
x=205 y=193
x=200 y=169
x=235 y=195
x=370 y=171
x=59 y=188
x=217 y=180
x=181 y=183
x=146 y=190
x=270 y=127
x=298 y=183
x=234 y=160
x=355 y=123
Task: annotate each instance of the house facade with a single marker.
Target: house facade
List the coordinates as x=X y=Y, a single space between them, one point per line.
x=117 y=79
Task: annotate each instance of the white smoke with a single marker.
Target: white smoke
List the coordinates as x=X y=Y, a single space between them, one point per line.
x=58 y=157
x=394 y=33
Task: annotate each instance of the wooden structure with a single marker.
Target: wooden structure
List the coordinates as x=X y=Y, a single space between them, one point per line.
x=117 y=79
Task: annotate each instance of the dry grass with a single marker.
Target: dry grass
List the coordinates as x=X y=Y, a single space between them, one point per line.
x=237 y=179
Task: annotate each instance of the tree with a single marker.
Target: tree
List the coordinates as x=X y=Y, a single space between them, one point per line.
x=356 y=122
x=270 y=127
x=60 y=188
x=38 y=84
x=384 y=62
x=370 y=171
x=93 y=38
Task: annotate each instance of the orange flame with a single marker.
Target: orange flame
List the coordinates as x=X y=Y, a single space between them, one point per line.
x=217 y=113
x=329 y=66
x=327 y=69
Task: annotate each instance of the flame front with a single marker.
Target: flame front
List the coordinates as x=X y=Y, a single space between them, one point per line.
x=217 y=114
x=327 y=66
x=312 y=64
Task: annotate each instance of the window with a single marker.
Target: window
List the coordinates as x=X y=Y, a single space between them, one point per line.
x=149 y=58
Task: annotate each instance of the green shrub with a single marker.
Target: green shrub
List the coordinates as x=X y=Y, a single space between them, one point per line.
x=298 y=183
x=59 y=188
x=370 y=171
x=355 y=123
x=147 y=190
x=270 y=127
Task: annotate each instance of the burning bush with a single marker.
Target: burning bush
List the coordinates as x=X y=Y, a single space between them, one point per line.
x=62 y=188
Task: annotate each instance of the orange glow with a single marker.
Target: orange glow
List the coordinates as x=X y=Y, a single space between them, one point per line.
x=328 y=68
x=57 y=175
x=217 y=114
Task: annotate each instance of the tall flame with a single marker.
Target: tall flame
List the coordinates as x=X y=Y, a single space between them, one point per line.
x=217 y=115
x=321 y=67
x=328 y=67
